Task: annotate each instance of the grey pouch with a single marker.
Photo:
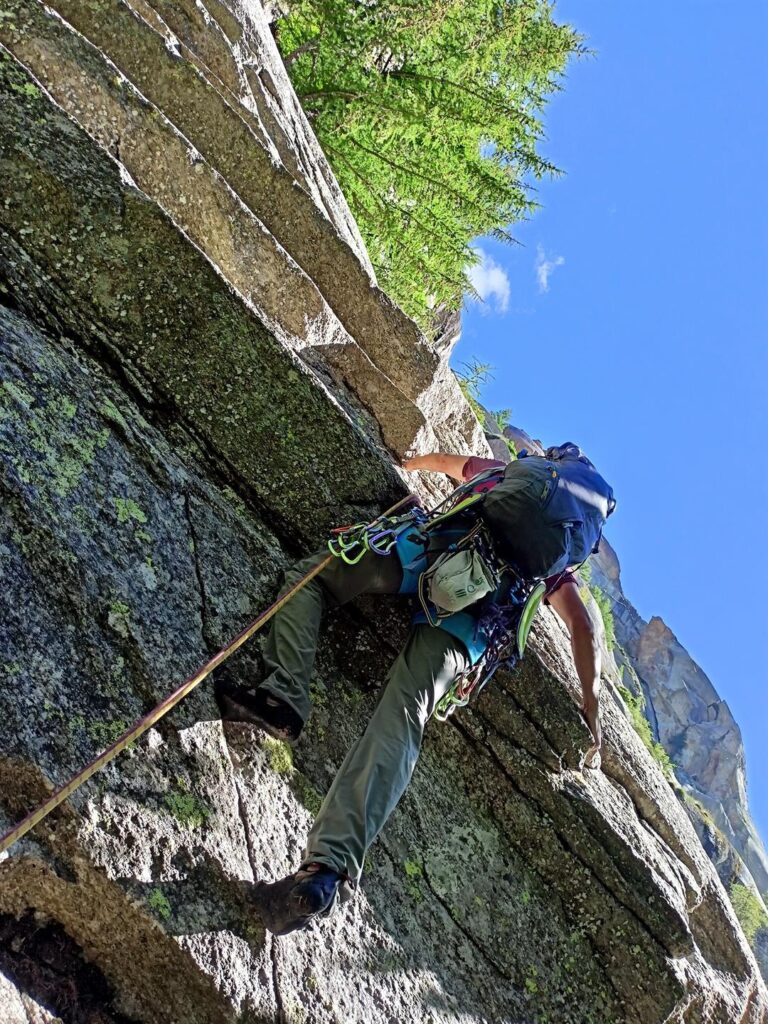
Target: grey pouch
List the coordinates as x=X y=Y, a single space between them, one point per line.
x=459 y=579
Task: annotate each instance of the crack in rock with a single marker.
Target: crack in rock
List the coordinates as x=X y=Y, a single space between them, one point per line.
x=571 y=849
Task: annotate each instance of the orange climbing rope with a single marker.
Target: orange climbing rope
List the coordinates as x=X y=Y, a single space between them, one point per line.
x=154 y=716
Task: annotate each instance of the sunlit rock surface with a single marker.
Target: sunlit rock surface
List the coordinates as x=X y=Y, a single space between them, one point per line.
x=696 y=728
x=198 y=377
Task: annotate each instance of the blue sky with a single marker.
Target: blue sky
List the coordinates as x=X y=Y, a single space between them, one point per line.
x=634 y=320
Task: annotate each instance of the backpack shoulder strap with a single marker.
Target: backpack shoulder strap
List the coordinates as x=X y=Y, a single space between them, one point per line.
x=462 y=506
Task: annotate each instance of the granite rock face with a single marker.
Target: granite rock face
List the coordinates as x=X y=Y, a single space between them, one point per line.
x=196 y=107
x=446 y=326
x=198 y=378
x=697 y=730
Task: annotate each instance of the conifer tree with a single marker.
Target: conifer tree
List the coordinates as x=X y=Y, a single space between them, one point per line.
x=430 y=114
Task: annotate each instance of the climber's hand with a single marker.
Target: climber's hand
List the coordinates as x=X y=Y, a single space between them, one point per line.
x=438 y=462
x=592 y=721
x=593 y=758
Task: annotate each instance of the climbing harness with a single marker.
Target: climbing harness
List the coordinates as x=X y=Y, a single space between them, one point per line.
x=462 y=575
x=506 y=628
x=143 y=724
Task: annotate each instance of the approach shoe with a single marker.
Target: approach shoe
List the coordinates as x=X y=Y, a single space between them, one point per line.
x=295 y=901
x=258 y=706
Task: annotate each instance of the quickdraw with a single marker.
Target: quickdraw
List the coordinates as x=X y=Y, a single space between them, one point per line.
x=350 y=543
x=507 y=628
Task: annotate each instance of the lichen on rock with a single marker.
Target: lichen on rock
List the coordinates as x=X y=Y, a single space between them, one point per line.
x=168 y=445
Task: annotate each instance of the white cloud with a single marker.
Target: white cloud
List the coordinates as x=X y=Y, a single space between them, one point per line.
x=490 y=280
x=545 y=267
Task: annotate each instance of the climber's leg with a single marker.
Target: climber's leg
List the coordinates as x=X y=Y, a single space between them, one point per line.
x=378 y=768
x=281 y=701
x=373 y=777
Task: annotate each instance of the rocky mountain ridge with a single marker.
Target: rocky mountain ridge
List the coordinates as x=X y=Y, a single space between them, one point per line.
x=199 y=378
x=689 y=718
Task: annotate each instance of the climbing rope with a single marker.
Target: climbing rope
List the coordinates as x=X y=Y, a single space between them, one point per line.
x=143 y=724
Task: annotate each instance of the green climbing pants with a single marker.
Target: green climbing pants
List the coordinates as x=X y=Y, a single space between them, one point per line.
x=378 y=767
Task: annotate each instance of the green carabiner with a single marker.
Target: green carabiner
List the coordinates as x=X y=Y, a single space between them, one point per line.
x=445 y=707
x=352 y=559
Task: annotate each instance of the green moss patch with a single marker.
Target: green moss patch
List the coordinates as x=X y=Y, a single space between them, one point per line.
x=128 y=510
x=636 y=708
x=58 y=447
x=186 y=808
x=279 y=755
x=158 y=902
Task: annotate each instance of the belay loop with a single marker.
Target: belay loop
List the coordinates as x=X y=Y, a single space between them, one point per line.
x=507 y=628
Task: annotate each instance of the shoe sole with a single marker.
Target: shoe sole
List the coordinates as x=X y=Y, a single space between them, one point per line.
x=234 y=712
x=275 y=922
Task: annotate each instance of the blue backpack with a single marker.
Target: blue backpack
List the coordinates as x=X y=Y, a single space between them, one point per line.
x=547 y=513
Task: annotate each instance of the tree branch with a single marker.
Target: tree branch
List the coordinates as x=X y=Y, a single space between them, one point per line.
x=488 y=98
x=311 y=44
x=417 y=174
x=388 y=203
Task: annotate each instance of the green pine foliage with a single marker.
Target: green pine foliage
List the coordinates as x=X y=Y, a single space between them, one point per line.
x=430 y=113
x=749 y=910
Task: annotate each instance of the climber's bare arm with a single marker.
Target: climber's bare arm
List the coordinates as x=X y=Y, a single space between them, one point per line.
x=439 y=462
x=586 y=656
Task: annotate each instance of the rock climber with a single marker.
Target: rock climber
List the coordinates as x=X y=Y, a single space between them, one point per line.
x=379 y=765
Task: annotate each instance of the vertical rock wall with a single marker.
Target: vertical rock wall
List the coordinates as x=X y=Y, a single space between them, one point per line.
x=693 y=724
x=197 y=378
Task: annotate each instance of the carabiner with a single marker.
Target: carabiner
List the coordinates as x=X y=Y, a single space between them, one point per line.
x=381 y=543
